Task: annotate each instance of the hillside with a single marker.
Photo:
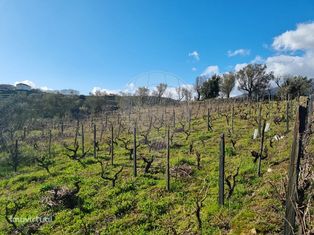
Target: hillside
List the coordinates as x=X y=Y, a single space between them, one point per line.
x=82 y=192
x=25 y=106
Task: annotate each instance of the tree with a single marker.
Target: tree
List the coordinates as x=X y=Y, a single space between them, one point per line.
x=99 y=92
x=186 y=93
x=210 y=88
x=254 y=79
x=160 y=90
x=279 y=80
x=179 y=93
x=227 y=84
x=296 y=86
x=142 y=91
x=198 y=86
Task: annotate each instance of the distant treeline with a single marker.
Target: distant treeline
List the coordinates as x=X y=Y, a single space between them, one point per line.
x=17 y=107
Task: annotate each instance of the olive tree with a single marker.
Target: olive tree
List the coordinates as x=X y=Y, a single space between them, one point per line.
x=210 y=88
x=254 y=79
x=160 y=90
x=227 y=83
x=186 y=93
x=294 y=86
x=142 y=91
x=198 y=86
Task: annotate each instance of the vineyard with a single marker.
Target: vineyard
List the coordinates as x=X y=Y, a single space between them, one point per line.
x=208 y=167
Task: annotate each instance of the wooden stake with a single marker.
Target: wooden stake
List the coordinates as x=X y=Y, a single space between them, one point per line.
x=134 y=153
x=168 y=162
x=261 y=150
x=221 y=170
x=95 y=142
x=111 y=145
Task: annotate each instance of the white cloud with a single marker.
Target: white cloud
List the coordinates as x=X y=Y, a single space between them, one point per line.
x=195 y=55
x=258 y=60
x=130 y=88
x=27 y=82
x=210 y=70
x=292 y=65
x=104 y=90
x=172 y=92
x=45 y=88
x=194 y=69
x=130 y=85
x=188 y=86
x=285 y=61
x=238 y=67
x=239 y=52
x=235 y=91
x=300 y=39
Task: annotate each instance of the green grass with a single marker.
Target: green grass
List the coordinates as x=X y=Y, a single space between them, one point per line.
x=142 y=205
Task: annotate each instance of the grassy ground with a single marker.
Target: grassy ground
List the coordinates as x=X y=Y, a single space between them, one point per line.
x=141 y=205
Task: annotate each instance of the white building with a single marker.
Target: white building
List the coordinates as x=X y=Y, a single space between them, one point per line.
x=23 y=87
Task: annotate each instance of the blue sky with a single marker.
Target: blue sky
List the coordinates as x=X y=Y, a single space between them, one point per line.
x=85 y=44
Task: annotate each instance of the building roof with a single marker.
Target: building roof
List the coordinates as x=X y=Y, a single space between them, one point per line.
x=22 y=84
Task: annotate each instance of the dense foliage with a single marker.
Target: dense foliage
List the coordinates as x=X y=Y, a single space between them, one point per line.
x=296 y=86
x=210 y=88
